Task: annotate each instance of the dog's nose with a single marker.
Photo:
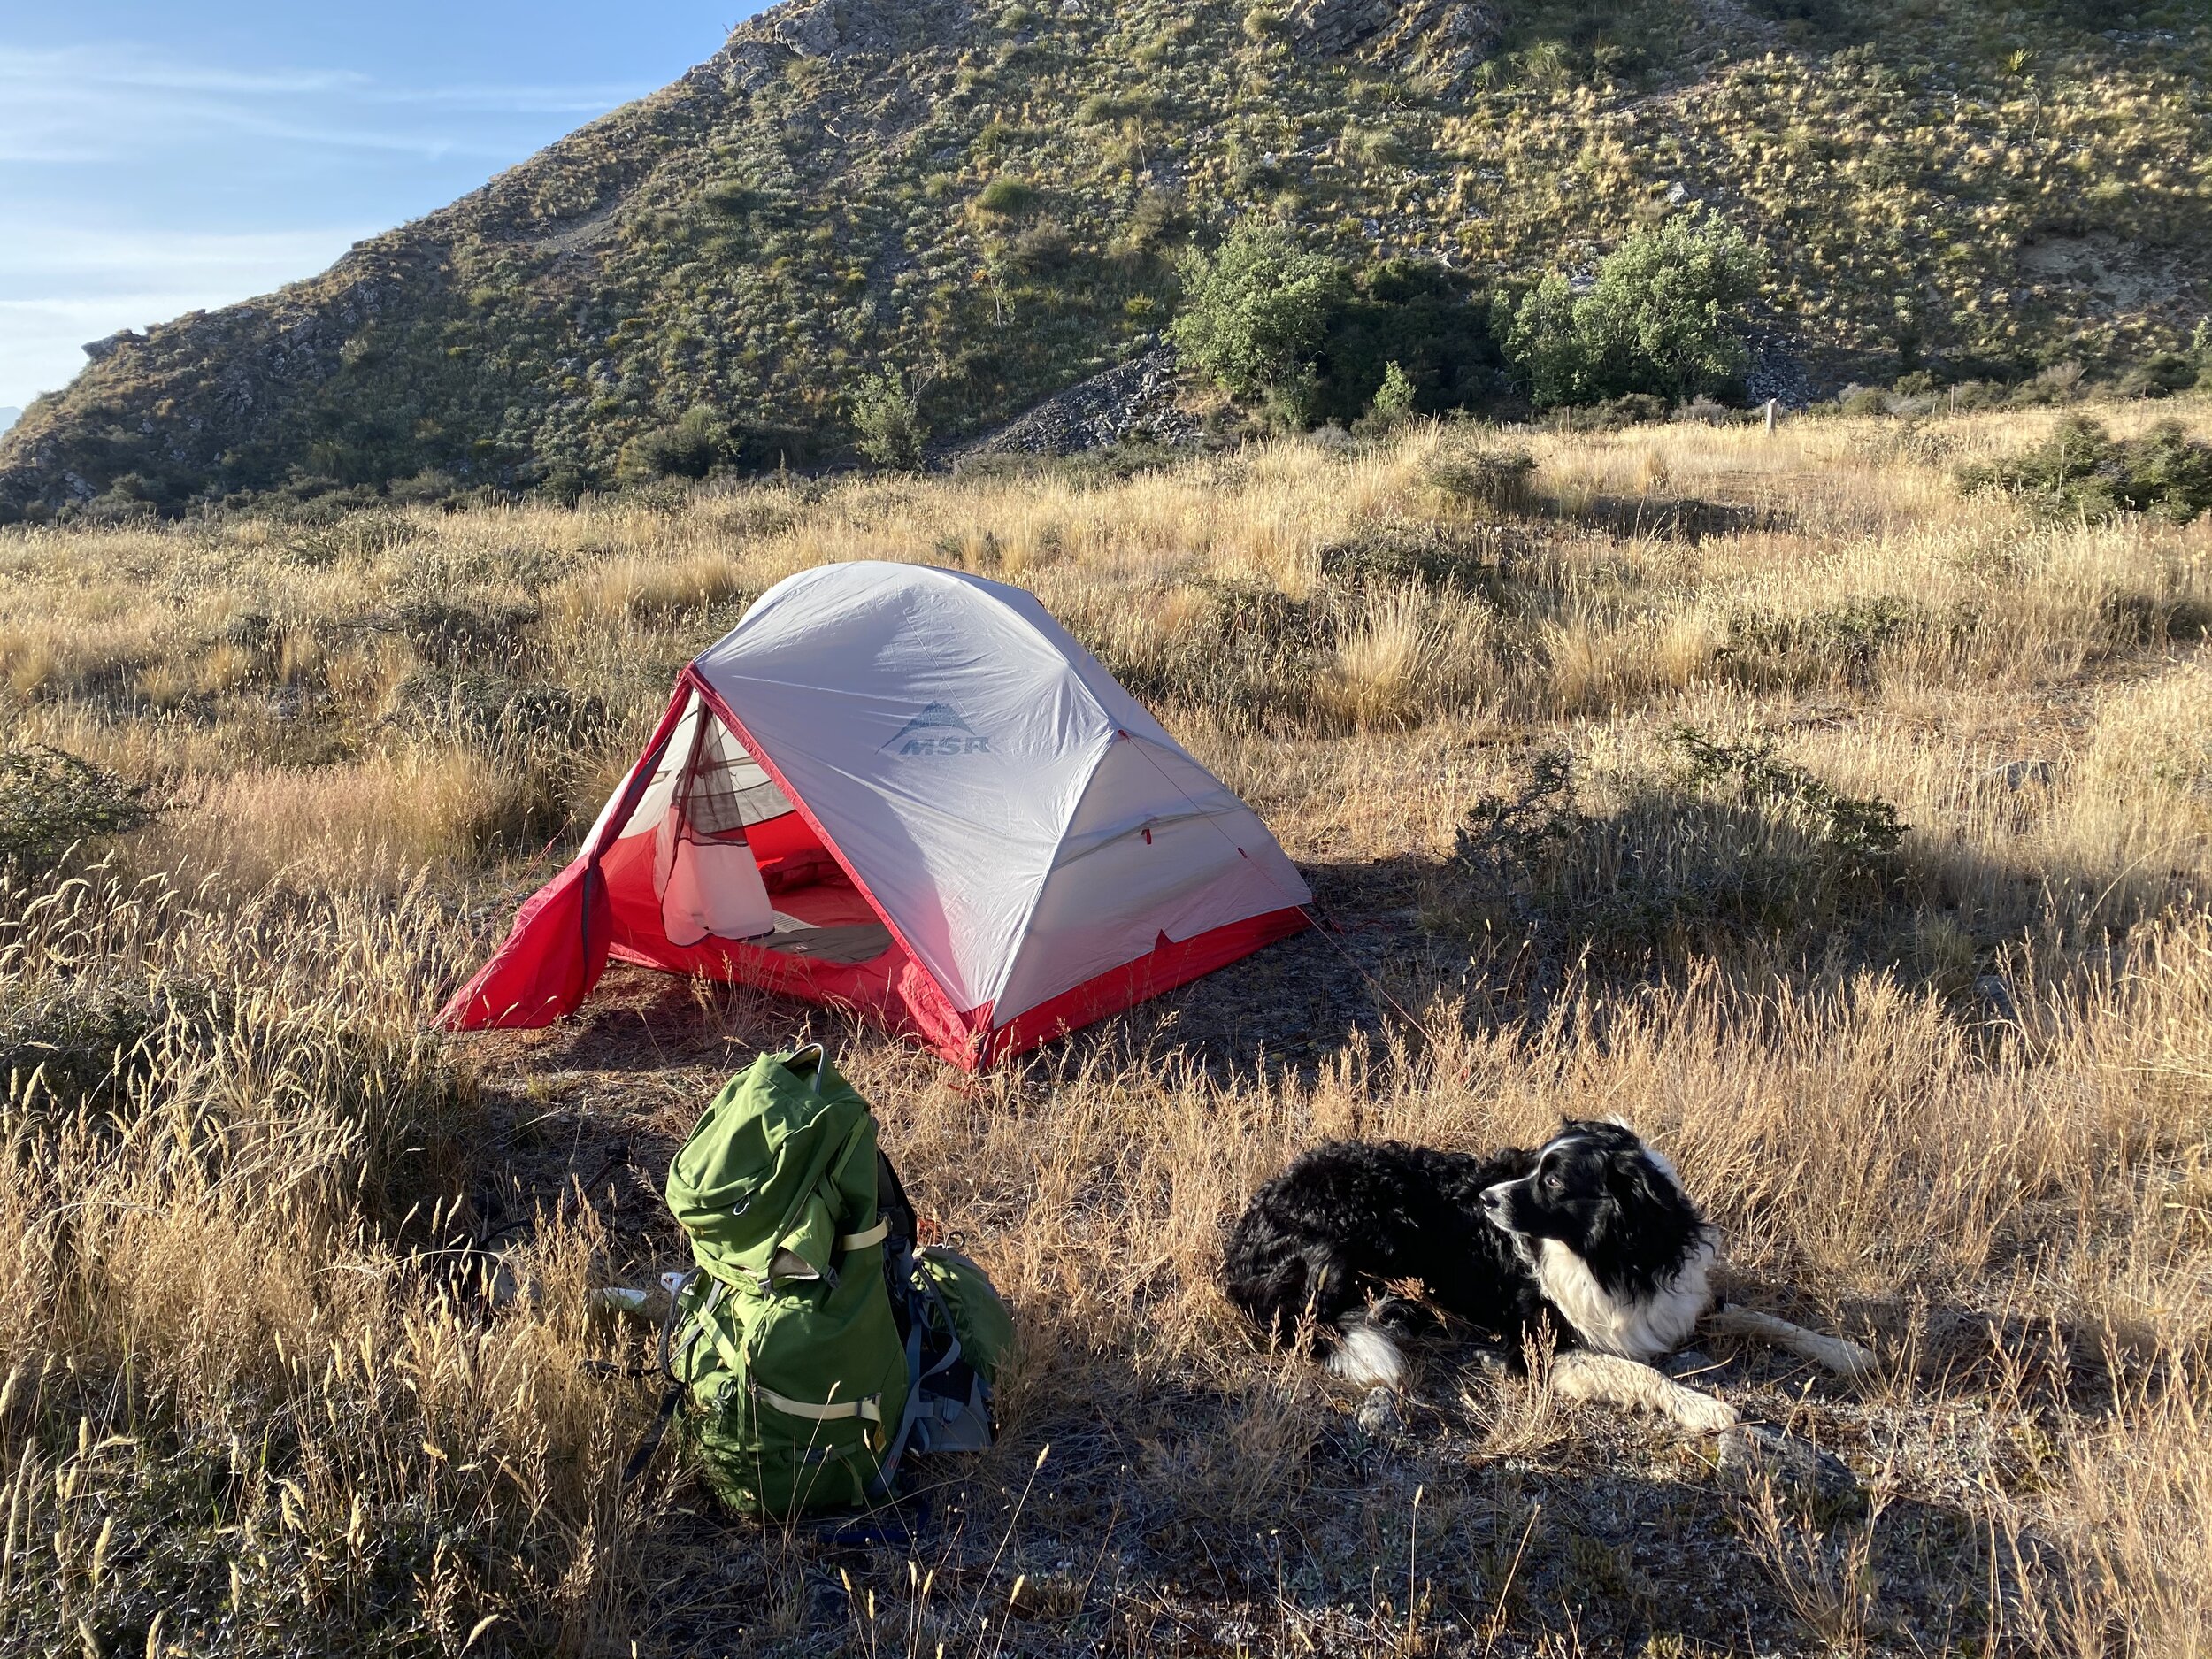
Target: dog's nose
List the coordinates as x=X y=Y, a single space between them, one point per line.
x=1493 y=1200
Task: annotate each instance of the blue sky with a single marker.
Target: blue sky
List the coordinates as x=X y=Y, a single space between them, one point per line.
x=158 y=157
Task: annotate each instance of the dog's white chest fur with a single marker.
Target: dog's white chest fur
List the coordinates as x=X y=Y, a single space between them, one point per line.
x=1641 y=1330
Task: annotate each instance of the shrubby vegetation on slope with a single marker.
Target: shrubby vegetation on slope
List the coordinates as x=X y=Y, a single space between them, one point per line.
x=995 y=200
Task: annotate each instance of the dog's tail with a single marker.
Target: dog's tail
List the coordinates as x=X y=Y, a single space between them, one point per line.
x=1366 y=1354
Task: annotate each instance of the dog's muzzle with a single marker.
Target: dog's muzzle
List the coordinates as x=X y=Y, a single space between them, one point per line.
x=1496 y=1205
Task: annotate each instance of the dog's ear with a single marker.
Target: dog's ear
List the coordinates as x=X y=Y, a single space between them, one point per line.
x=1631 y=1179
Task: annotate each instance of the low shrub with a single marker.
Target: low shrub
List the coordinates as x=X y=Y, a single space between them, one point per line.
x=1390 y=408
x=1726 y=842
x=1405 y=551
x=89 y=1040
x=508 y=717
x=1848 y=639
x=2082 y=470
x=1611 y=414
x=689 y=447
x=51 y=801
x=1464 y=480
x=444 y=634
x=2161 y=376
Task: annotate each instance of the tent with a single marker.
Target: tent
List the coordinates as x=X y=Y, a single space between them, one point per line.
x=906 y=791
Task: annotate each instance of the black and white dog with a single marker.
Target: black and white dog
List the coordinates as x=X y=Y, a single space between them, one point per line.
x=1589 y=1238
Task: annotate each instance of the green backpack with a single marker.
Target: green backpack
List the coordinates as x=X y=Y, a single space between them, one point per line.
x=814 y=1345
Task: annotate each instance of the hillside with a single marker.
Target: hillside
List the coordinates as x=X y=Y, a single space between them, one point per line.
x=990 y=199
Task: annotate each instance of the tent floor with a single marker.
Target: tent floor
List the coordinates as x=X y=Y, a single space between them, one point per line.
x=827 y=921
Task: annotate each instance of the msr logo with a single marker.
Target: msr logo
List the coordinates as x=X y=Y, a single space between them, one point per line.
x=938 y=730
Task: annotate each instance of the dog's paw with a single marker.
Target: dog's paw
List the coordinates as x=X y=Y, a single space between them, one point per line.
x=1378 y=1417
x=1487 y=1361
x=1752 y=1451
x=1701 y=1413
x=1367 y=1357
x=1840 y=1356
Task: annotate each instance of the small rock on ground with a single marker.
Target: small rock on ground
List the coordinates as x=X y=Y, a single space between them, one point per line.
x=1752 y=1451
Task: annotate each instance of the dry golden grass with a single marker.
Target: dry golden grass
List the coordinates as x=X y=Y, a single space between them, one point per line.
x=254 y=1403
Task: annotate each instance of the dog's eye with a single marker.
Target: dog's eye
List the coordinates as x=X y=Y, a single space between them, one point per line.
x=1552 y=1183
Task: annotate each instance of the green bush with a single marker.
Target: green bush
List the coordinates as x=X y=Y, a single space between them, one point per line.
x=1045 y=246
x=1255 y=313
x=734 y=196
x=1391 y=407
x=1853 y=833
x=2082 y=470
x=1661 y=318
x=687 y=447
x=886 y=413
x=52 y=801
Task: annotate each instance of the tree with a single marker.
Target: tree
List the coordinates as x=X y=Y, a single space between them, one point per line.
x=886 y=413
x=1661 y=318
x=1392 y=406
x=1255 y=313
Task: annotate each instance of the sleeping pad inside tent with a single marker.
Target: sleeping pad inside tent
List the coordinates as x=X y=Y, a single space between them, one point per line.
x=906 y=791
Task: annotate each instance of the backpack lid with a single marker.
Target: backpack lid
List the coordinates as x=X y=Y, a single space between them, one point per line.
x=782 y=1160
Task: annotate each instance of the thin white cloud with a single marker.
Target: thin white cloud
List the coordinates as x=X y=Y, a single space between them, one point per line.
x=125 y=67
x=72 y=257
x=77 y=285
x=150 y=135
x=82 y=105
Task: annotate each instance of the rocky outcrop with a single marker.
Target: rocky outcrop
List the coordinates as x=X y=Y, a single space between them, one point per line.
x=1133 y=401
x=100 y=350
x=1442 y=40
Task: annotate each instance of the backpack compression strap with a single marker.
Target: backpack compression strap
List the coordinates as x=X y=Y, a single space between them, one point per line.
x=918 y=1281
x=869 y=1408
x=642 y=1457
